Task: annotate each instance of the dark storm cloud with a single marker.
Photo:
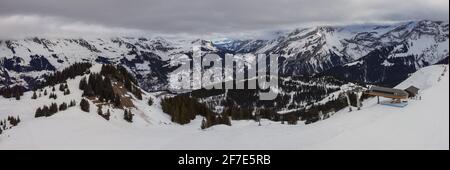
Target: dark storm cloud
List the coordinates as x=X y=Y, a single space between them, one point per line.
x=203 y=16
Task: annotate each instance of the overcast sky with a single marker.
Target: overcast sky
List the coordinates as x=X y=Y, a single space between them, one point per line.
x=19 y=18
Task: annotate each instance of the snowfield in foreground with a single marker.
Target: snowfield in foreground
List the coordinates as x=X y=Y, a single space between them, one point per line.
x=423 y=124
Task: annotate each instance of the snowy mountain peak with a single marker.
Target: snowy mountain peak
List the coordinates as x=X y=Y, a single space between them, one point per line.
x=305 y=51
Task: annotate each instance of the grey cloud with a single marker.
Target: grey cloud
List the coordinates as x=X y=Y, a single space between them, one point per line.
x=216 y=16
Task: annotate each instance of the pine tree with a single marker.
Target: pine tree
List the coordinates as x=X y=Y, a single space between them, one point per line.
x=137 y=93
x=45 y=92
x=203 y=125
x=13 y=121
x=53 y=88
x=224 y=119
x=92 y=81
x=63 y=106
x=67 y=92
x=107 y=92
x=17 y=96
x=83 y=83
x=99 y=111
x=107 y=115
x=150 y=101
x=62 y=87
x=34 y=95
x=128 y=85
x=72 y=103
x=53 y=109
x=125 y=114
x=38 y=113
x=117 y=101
x=53 y=96
x=128 y=116
x=84 y=104
x=45 y=111
x=88 y=91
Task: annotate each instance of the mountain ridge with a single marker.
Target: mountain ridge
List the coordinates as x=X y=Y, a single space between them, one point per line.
x=303 y=51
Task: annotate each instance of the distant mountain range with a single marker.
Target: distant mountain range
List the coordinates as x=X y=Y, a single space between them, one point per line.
x=369 y=53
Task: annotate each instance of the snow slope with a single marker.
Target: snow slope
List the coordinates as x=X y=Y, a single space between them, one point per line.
x=423 y=124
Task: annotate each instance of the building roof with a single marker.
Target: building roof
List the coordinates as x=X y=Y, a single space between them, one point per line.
x=392 y=91
x=412 y=89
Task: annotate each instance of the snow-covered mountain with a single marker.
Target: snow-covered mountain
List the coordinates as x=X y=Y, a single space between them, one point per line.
x=148 y=59
x=316 y=49
x=306 y=51
x=374 y=127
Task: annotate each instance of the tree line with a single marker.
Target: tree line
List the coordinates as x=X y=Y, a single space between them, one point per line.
x=98 y=86
x=53 y=108
x=12 y=92
x=72 y=71
x=183 y=109
x=13 y=121
x=76 y=69
x=245 y=105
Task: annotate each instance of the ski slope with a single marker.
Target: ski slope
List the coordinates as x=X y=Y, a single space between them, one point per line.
x=423 y=124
